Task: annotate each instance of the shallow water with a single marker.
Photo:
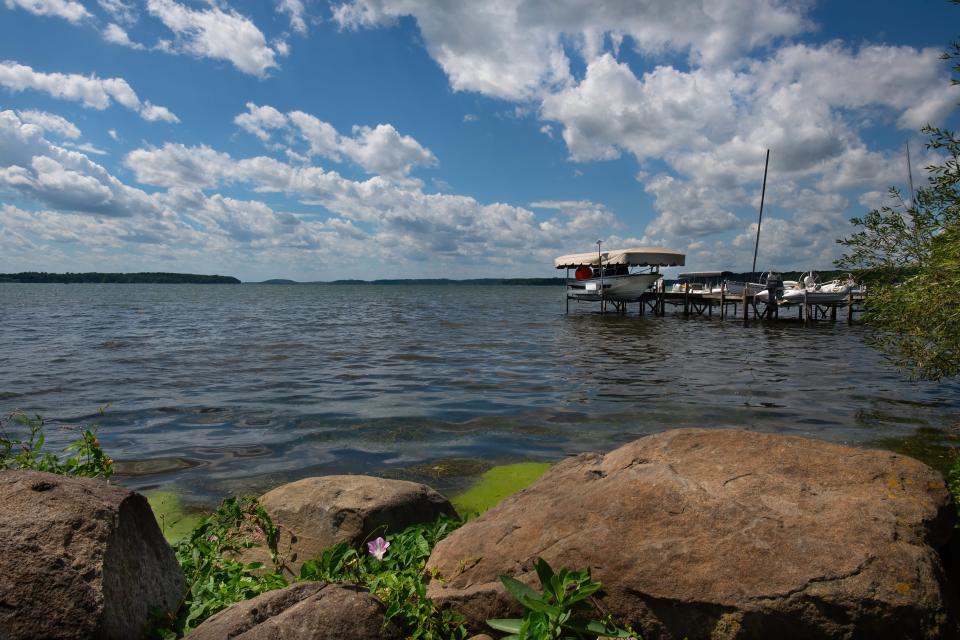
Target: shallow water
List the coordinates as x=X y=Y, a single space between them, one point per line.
x=225 y=389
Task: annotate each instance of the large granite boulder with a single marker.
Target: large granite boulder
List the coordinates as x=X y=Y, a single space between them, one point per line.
x=305 y=610
x=720 y=534
x=80 y=559
x=315 y=513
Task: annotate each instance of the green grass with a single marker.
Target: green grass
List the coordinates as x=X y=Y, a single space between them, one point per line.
x=498 y=483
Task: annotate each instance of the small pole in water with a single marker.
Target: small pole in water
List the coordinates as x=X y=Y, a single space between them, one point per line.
x=600 y=267
x=763 y=195
x=746 y=310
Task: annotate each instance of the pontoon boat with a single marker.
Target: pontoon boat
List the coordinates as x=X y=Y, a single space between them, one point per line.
x=620 y=275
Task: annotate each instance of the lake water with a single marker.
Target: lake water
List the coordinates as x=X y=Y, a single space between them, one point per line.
x=233 y=389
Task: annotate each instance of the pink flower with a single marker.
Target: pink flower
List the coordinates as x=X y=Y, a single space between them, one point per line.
x=378 y=548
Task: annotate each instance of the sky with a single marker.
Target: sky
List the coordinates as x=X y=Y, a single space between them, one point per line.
x=319 y=140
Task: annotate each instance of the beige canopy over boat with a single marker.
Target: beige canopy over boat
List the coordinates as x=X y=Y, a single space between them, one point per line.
x=635 y=257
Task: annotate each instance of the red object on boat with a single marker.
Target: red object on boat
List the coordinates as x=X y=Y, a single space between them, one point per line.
x=583 y=273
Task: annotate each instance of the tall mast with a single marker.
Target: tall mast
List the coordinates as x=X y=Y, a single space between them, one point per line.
x=763 y=194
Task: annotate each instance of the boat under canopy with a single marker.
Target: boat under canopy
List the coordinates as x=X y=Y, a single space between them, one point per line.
x=606 y=275
x=635 y=257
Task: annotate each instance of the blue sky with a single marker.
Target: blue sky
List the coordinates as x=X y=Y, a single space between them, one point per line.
x=412 y=138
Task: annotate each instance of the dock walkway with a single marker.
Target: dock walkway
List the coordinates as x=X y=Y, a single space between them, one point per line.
x=732 y=307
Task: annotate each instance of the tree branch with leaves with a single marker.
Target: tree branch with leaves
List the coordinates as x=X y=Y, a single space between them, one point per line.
x=909 y=255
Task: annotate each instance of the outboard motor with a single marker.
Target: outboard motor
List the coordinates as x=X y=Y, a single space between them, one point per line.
x=774 y=285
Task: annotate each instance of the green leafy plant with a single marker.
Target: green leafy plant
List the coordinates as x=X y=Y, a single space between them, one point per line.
x=908 y=254
x=22 y=442
x=394 y=570
x=215 y=578
x=953 y=483
x=558 y=612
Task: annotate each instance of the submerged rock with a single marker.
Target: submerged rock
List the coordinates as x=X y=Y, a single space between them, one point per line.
x=80 y=559
x=716 y=534
x=316 y=513
x=304 y=610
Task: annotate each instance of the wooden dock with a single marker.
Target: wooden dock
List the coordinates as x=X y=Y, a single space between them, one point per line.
x=743 y=306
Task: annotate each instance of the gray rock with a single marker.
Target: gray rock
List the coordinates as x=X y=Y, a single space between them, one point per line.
x=306 y=610
x=316 y=513
x=703 y=533
x=81 y=559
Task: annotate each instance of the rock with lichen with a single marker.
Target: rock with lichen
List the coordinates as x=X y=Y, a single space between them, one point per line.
x=315 y=513
x=80 y=559
x=700 y=533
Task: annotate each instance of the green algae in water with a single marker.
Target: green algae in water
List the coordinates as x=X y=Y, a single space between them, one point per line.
x=935 y=447
x=175 y=520
x=496 y=484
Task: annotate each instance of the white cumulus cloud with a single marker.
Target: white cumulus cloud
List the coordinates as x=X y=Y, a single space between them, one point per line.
x=153 y=113
x=121 y=11
x=515 y=49
x=216 y=33
x=85 y=147
x=175 y=165
x=297 y=13
x=67 y=9
x=50 y=122
x=60 y=178
x=116 y=34
x=260 y=121
x=91 y=91
x=381 y=149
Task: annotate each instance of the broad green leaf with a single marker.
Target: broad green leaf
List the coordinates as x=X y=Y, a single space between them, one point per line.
x=544 y=571
x=518 y=589
x=597 y=628
x=584 y=592
x=537 y=604
x=510 y=625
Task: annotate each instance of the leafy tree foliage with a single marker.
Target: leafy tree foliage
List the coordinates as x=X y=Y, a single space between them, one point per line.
x=910 y=257
x=918 y=321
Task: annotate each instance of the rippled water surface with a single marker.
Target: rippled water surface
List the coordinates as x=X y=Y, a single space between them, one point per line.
x=225 y=389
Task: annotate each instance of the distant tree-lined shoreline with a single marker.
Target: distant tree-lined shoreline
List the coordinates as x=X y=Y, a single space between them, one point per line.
x=116 y=278
x=190 y=278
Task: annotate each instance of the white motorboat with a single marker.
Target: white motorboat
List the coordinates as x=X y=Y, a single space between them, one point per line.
x=770 y=281
x=809 y=290
x=735 y=289
x=691 y=287
x=619 y=275
x=700 y=282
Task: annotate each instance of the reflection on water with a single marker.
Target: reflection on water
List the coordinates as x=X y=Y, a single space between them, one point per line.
x=225 y=389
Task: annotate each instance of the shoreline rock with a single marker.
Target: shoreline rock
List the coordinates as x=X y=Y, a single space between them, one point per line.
x=81 y=559
x=303 y=610
x=315 y=513
x=695 y=533
x=705 y=533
